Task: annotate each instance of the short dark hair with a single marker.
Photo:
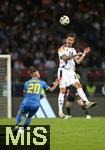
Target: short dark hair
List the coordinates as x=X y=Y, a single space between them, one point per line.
x=32 y=69
x=71 y=35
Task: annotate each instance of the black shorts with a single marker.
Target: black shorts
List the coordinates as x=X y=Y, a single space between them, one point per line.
x=71 y=94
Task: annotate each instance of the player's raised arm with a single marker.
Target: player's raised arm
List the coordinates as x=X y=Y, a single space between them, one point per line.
x=81 y=58
x=65 y=57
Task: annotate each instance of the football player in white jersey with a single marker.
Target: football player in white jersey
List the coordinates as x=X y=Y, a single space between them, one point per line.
x=66 y=71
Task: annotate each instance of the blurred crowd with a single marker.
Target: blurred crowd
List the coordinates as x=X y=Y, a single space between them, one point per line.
x=30 y=31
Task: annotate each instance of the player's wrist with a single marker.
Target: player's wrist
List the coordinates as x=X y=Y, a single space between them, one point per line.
x=84 y=54
x=70 y=57
x=54 y=87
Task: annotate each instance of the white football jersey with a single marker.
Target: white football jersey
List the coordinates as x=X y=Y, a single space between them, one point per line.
x=69 y=64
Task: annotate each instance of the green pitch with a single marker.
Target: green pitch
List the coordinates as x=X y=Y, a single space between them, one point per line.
x=72 y=134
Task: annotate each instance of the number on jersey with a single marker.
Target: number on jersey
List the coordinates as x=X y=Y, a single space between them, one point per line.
x=33 y=88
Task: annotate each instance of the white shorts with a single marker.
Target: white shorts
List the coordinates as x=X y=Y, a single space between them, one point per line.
x=66 y=77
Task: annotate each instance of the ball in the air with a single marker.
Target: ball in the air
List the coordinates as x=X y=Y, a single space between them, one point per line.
x=64 y=20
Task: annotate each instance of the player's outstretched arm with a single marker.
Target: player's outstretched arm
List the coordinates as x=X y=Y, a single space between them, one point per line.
x=65 y=57
x=81 y=58
x=55 y=84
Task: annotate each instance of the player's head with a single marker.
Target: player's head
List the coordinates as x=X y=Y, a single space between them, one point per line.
x=70 y=39
x=34 y=72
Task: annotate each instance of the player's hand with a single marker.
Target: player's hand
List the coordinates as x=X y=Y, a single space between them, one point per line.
x=56 y=82
x=79 y=54
x=87 y=50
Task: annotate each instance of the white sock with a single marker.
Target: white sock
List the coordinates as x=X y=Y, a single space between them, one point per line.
x=82 y=95
x=60 y=101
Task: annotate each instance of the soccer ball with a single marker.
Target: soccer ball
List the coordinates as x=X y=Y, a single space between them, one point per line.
x=64 y=20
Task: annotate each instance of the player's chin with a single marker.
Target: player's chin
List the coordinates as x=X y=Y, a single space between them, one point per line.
x=39 y=76
x=70 y=44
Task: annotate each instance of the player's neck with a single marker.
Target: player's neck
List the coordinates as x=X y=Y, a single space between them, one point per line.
x=35 y=78
x=68 y=45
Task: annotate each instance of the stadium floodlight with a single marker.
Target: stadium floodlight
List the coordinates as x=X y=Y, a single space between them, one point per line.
x=5 y=86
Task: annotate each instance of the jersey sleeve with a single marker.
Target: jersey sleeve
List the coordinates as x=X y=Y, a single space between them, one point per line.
x=74 y=51
x=61 y=51
x=45 y=85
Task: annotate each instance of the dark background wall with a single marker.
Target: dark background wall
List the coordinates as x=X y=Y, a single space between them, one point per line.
x=98 y=110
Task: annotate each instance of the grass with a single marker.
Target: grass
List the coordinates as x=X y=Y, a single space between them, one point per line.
x=72 y=134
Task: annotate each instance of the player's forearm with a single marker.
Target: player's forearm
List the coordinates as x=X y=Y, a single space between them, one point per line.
x=81 y=58
x=55 y=84
x=51 y=89
x=65 y=57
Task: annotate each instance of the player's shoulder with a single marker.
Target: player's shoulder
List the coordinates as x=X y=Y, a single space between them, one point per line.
x=61 y=49
x=42 y=81
x=26 y=82
x=73 y=48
